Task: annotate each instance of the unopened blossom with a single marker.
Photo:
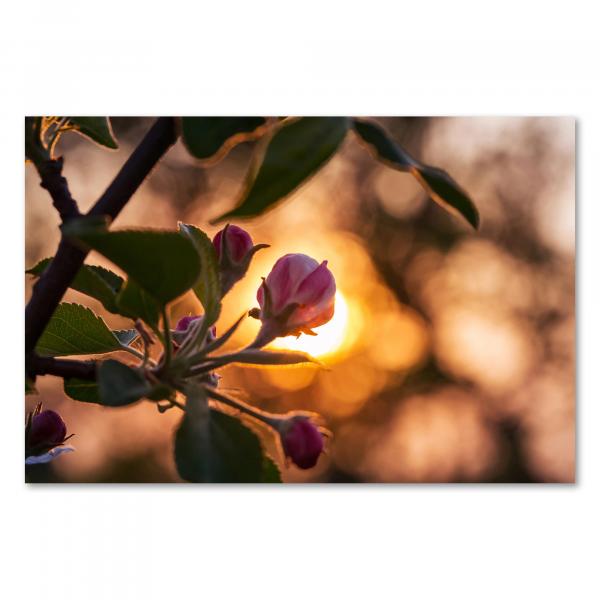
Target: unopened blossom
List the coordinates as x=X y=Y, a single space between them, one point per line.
x=45 y=434
x=184 y=327
x=235 y=249
x=297 y=295
x=302 y=441
x=184 y=323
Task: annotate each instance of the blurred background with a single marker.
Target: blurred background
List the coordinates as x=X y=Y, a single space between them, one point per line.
x=451 y=353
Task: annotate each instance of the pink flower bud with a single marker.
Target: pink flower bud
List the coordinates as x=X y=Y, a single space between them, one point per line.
x=47 y=430
x=183 y=330
x=302 y=441
x=298 y=294
x=235 y=251
x=234 y=241
x=184 y=323
x=45 y=434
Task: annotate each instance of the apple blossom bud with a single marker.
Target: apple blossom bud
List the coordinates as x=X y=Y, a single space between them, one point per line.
x=184 y=328
x=234 y=241
x=302 y=441
x=297 y=295
x=184 y=323
x=235 y=250
x=47 y=429
x=44 y=430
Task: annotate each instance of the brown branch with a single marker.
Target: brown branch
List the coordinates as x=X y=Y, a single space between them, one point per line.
x=50 y=172
x=79 y=369
x=54 y=282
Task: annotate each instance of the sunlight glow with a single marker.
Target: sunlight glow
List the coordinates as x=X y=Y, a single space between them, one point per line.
x=330 y=337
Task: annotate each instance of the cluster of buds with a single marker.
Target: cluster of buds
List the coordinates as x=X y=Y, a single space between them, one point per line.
x=45 y=436
x=296 y=296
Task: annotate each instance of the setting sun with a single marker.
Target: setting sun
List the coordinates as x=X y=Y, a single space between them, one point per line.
x=330 y=337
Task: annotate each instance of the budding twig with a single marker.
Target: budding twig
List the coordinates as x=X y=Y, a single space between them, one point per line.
x=50 y=172
x=53 y=283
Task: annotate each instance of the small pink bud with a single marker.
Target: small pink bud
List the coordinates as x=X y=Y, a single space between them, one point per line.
x=235 y=250
x=183 y=330
x=302 y=441
x=184 y=323
x=233 y=241
x=45 y=434
x=297 y=295
x=47 y=430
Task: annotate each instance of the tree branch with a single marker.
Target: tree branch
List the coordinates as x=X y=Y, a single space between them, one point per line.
x=50 y=172
x=52 y=285
x=79 y=369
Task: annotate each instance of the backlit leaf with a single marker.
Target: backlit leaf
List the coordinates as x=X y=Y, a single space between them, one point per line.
x=212 y=447
x=92 y=280
x=437 y=183
x=295 y=152
x=95 y=128
x=212 y=137
x=208 y=288
x=82 y=390
x=164 y=263
x=135 y=303
x=75 y=329
x=120 y=385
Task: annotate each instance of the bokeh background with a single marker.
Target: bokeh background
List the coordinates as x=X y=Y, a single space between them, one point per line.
x=451 y=354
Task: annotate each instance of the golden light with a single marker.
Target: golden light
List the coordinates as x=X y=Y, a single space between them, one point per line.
x=330 y=337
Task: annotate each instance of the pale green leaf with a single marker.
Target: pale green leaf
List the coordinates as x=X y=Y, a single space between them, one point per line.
x=97 y=129
x=75 y=329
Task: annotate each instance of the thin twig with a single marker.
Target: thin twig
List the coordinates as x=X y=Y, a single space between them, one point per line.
x=61 y=367
x=50 y=172
x=54 y=282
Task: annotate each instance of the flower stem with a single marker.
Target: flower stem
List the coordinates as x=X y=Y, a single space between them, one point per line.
x=135 y=353
x=168 y=343
x=265 y=417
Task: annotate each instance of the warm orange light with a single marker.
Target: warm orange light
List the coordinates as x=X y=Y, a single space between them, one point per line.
x=330 y=337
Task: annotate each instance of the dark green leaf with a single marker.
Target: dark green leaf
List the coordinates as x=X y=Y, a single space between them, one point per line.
x=447 y=193
x=297 y=150
x=271 y=472
x=212 y=137
x=92 y=280
x=385 y=148
x=212 y=447
x=75 y=329
x=164 y=263
x=134 y=303
x=437 y=183
x=82 y=390
x=121 y=385
x=96 y=128
x=208 y=288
